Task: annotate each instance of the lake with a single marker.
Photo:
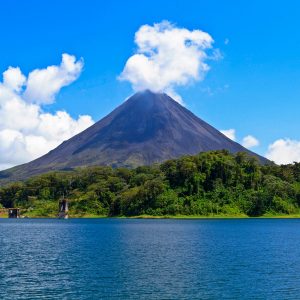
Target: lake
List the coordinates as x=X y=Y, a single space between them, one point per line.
x=149 y=259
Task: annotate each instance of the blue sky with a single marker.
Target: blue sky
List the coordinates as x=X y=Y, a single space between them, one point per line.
x=254 y=88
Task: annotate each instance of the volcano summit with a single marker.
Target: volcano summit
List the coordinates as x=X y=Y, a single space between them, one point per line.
x=147 y=128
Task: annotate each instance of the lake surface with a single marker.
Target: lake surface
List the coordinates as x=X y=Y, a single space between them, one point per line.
x=149 y=259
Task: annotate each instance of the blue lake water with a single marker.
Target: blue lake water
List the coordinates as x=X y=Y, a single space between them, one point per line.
x=149 y=259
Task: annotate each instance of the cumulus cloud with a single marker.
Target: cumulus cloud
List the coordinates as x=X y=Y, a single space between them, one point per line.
x=13 y=79
x=43 y=84
x=166 y=57
x=230 y=133
x=250 y=141
x=284 y=151
x=26 y=132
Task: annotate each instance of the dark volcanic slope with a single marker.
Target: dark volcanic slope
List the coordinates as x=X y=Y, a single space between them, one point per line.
x=147 y=128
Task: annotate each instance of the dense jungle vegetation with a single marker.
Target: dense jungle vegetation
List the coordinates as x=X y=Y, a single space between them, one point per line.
x=207 y=184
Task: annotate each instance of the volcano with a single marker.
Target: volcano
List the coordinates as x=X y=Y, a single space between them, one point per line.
x=147 y=128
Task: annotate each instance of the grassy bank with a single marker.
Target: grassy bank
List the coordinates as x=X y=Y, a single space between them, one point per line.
x=144 y=216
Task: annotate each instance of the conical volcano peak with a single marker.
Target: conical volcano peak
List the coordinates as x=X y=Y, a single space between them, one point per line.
x=148 y=92
x=145 y=104
x=149 y=127
x=149 y=96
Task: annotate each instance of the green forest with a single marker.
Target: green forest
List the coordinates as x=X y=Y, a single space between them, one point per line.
x=214 y=183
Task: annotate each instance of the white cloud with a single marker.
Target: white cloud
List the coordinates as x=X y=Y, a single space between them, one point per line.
x=230 y=133
x=44 y=84
x=26 y=132
x=166 y=57
x=250 y=141
x=284 y=151
x=13 y=79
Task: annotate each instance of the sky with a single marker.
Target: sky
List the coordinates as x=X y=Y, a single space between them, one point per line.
x=66 y=64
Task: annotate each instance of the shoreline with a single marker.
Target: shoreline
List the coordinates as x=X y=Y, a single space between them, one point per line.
x=175 y=217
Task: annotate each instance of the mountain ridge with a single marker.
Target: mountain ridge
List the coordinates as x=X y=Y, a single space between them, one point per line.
x=147 y=128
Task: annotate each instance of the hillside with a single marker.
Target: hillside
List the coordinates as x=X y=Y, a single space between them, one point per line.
x=148 y=128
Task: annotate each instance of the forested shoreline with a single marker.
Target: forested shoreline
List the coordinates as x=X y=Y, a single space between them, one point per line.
x=214 y=183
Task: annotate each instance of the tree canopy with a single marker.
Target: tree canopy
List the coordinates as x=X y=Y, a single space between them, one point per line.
x=210 y=183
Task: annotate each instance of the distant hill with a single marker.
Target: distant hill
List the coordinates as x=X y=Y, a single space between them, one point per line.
x=147 y=128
